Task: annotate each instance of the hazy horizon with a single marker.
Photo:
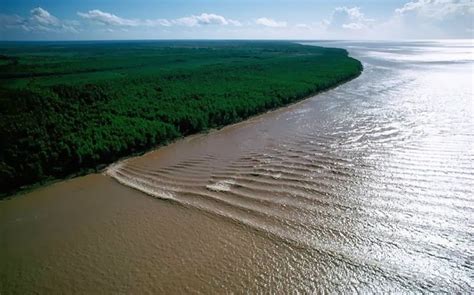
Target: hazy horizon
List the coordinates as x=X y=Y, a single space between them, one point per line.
x=243 y=39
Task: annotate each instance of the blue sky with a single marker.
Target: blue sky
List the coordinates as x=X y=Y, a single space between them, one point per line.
x=244 y=19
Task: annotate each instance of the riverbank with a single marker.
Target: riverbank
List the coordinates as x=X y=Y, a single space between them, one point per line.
x=77 y=116
x=365 y=187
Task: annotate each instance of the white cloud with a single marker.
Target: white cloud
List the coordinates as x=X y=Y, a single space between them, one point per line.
x=420 y=19
x=268 y=22
x=39 y=20
x=349 y=18
x=189 y=21
x=43 y=17
x=437 y=9
x=415 y=19
x=433 y=19
x=106 y=18
x=205 y=19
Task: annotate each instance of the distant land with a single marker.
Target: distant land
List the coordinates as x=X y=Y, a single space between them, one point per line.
x=72 y=107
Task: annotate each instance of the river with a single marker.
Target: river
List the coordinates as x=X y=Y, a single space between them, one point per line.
x=367 y=187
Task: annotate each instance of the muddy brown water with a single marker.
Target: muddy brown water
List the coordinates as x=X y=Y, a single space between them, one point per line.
x=368 y=187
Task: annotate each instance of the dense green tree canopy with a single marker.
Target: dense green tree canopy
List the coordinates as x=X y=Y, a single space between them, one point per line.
x=71 y=106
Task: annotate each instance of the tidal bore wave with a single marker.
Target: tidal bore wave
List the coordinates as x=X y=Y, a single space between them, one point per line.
x=374 y=179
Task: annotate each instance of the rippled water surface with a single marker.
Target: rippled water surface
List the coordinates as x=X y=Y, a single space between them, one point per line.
x=369 y=187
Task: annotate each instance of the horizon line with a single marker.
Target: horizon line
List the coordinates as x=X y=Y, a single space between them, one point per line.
x=230 y=39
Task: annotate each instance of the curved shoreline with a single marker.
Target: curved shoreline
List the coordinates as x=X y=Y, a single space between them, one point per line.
x=100 y=167
x=103 y=167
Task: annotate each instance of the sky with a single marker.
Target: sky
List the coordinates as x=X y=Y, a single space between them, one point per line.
x=238 y=19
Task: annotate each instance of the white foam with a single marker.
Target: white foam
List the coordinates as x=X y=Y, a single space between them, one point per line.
x=221 y=186
x=276 y=176
x=113 y=171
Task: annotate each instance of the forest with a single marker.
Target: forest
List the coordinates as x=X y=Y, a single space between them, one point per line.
x=69 y=108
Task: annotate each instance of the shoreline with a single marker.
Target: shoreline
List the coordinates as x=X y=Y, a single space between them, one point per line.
x=99 y=169
x=150 y=130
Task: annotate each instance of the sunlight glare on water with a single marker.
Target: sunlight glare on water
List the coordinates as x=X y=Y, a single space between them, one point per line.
x=375 y=178
x=368 y=187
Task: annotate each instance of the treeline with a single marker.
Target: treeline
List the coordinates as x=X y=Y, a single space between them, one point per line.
x=52 y=128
